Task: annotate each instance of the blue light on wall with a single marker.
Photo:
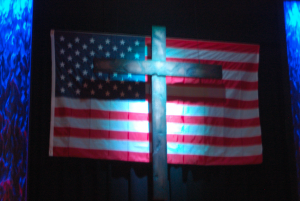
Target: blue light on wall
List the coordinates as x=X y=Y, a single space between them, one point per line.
x=292 y=28
x=15 y=58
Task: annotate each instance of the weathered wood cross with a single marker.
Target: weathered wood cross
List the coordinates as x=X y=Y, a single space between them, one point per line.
x=159 y=68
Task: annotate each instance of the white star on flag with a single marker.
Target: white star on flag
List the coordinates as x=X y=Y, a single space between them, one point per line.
x=129 y=49
x=77 y=53
x=85 y=85
x=115 y=74
x=122 y=55
x=122 y=94
x=100 y=47
x=137 y=95
x=78 y=91
x=77 y=40
x=69 y=58
x=92 y=79
x=100 y=86
x=62 y=38
x=62 y=90
x=115 y=48
x=77 y=78
x=115 y=87
x=107 y=93
x=84 y=72
x=62 y=64
x=70 y=71
x=100 y=74
x=92 y=66
x=62 y=77
x=62 y=51
x=84 y=59
x=107 y=54
x=107 y=41
x=122 y=42
x=70 y=45
x=92 y=53
x=70 y=84
x=77 y=65
x=92 y=40
x=92 y=92
x=136 y=56
x=137 y=43
x=129 y=88
x=129 y=75
x=84 y=46
x=107 y=80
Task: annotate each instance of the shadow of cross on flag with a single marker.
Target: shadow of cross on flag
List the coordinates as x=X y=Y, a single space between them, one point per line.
x=158 y=68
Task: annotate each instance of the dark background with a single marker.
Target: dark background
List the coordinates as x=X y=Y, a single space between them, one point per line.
x=247 y=21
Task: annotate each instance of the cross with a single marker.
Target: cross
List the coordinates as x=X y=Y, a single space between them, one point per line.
x=158 y=68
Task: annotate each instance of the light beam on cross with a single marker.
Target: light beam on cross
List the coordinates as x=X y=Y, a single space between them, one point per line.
x=158 y=68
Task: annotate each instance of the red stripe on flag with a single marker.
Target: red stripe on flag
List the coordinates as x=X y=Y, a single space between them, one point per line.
x=209 y=83
x=217 y=102
x=148 y=41
x=101 y=154
x=239 y=66
x=214 y=141
x=99 y=134
x=194 y=82
x=100 y=114
x=229 y=47
x=215 y=121
x=242 y=85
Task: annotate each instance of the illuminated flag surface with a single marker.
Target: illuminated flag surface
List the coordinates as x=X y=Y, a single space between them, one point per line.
x=106 y=116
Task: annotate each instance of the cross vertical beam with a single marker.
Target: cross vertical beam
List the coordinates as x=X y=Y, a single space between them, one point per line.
x=159 y=130
x=158 y=68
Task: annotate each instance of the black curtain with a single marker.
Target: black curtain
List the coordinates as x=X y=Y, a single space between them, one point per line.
x=247 y=21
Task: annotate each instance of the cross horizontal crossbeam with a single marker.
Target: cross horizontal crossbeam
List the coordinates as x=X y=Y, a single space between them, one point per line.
x=160 y=68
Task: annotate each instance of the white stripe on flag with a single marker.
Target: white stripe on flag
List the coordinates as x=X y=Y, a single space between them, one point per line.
x=102 y=124
x=215 y=131
x=205 y=150
x=52 y=94
x=195 y=110
x=136 y=106
x=241 y=94
x=239 y=75
x=103 y=144
x=180 y=53
x=229 y=56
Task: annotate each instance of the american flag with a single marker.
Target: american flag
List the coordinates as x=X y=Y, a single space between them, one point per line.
x=107 y=116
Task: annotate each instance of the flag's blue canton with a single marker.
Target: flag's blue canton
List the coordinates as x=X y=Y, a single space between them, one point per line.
x=74 y=53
